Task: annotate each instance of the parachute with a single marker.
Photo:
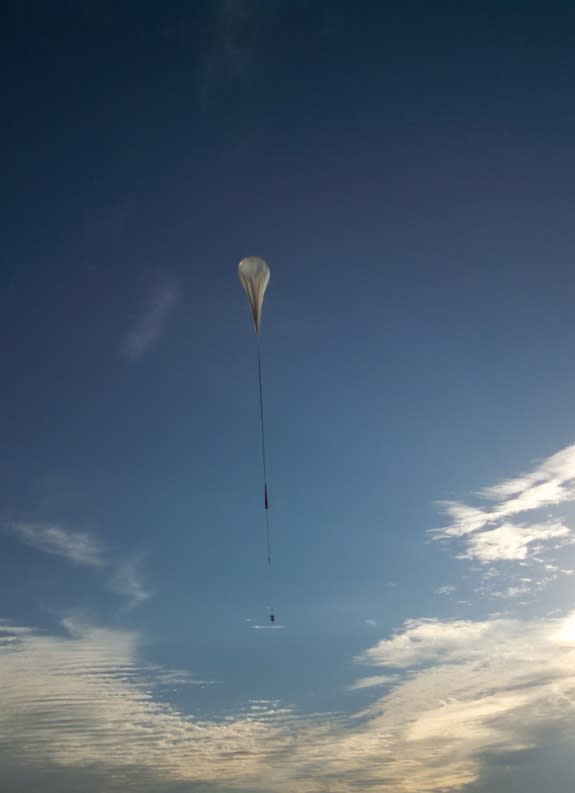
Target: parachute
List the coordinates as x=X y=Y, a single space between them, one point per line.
x=254 y=274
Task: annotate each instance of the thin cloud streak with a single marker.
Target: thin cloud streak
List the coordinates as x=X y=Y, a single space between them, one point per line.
x=236 y=26
x=127 y=582
x=83 y=548
x=372 y=682
x=78 y=547
x=150 y=326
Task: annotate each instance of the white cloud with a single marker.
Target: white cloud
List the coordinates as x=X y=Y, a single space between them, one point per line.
x=550 y=482
x=512 y=542
x=372 y=682
x=79 y=547
x=465 y=519
x=495 y=534
x=458 y=691
x=127 y=582
x=446 y=589
x=85 y=700
x=83 y=548
x=148 y=329
x=446 y=695
x=474 y=688
x=423 y=641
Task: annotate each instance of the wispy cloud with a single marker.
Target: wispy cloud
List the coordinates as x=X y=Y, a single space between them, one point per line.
x=505 y=532
x=84 y=548
x=151 y=324
x=372 y=682
x=514 y=542
x=127 y=582
x=79 y=547
x=552 y=481
x=174 y=677
x=233 y=32
x=446 y=589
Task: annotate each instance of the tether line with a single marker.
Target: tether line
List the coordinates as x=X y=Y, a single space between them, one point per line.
x=266 y=498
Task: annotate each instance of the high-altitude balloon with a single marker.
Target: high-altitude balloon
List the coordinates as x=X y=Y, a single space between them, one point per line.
x=254 y=274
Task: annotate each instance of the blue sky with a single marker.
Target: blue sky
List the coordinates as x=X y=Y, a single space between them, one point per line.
x=407 y=172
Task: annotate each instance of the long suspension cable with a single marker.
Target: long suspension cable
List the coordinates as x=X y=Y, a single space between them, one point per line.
x=266 y=498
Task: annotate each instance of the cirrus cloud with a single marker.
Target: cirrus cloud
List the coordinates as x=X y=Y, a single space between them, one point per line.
x=148 y=329
x=52 y=538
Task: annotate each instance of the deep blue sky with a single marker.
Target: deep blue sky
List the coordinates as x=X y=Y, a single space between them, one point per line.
x=407 y=170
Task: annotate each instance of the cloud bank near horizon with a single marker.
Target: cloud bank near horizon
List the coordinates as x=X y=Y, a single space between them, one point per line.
x=455 y=692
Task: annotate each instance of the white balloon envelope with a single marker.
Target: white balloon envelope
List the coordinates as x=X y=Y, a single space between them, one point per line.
x=255 y=274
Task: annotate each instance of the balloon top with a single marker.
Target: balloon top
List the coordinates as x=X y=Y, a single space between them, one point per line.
x=255 y=274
